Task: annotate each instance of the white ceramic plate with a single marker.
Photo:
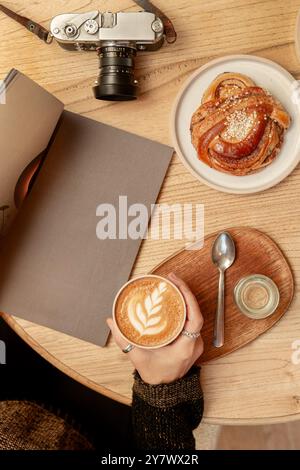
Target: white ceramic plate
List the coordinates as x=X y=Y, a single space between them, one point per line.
x=266 y=74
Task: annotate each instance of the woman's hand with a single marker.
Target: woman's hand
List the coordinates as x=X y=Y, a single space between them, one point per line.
x=172 y=362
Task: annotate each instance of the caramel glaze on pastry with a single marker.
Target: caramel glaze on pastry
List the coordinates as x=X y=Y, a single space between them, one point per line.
x=239 y=127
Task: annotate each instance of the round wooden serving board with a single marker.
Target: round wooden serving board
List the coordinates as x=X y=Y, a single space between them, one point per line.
x=256 y=253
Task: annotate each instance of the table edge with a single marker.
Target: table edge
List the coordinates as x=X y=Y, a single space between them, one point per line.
x=20 y=331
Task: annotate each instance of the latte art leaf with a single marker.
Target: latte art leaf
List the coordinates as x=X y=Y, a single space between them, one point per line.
x=144 y=316
x=153 y=321
x=155 y=310
x=140 y=314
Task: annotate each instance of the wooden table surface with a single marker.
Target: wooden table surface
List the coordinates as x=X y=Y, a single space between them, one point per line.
x=259 y=383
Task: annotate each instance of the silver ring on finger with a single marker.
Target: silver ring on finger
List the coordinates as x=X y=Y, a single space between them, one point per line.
x=128 y=349
x=191 y=335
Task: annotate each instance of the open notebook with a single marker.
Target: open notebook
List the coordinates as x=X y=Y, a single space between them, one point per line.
x=54 y=269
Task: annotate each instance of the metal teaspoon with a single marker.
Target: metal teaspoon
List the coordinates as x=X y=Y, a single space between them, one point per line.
x=223 y=256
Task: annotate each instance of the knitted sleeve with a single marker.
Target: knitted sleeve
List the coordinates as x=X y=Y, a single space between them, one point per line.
x=164 y=416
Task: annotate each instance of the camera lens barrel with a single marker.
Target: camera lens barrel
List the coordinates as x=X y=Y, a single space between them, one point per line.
x=116 y=80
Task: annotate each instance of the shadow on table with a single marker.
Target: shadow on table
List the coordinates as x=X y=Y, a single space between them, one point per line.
x=27 y=376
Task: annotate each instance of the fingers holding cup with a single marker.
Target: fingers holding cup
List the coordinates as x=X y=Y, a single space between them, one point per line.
x=119 y=340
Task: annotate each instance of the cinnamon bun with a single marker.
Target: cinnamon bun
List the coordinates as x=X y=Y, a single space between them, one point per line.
x=239 y=127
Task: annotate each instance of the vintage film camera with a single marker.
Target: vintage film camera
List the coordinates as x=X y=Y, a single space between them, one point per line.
x=116 y=37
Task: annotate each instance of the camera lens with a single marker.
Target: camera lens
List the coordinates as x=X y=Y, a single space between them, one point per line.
x=116 y=79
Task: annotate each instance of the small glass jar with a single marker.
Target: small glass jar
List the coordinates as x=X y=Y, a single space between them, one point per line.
x=256 y=296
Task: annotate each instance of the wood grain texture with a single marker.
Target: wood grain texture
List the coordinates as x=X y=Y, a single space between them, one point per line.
x=258 y=383
x=255 y=254
x=273 y=437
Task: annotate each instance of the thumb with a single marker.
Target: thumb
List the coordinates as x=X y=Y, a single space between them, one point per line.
x=121 y=342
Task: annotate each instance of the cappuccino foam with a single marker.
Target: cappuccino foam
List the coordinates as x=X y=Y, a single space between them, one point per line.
x=150 y=312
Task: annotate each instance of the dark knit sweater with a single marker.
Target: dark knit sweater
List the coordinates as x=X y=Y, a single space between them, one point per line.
x=164 y=416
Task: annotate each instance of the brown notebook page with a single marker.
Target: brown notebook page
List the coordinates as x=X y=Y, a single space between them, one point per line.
x=54 y=270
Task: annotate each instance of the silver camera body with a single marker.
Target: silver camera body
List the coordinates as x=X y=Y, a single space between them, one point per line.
x=88 y=31
x=116 y=37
